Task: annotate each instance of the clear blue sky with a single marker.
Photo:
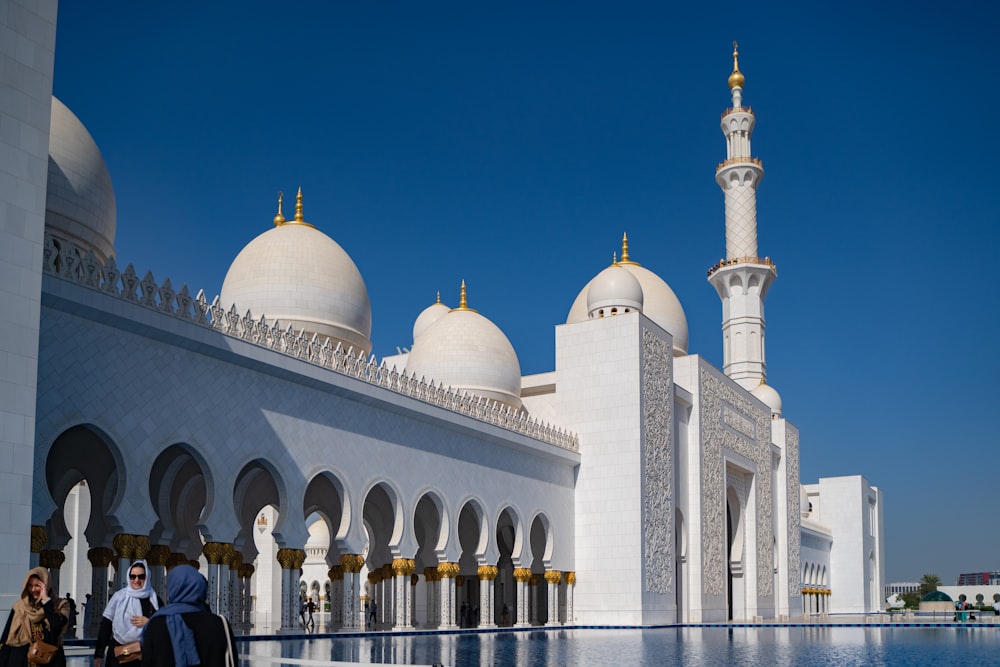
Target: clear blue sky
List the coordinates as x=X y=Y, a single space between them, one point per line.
x=511 y=144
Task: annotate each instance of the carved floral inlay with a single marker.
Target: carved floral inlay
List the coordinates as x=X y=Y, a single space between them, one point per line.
x=658 y=424
x=794 y=510
x=717 y=398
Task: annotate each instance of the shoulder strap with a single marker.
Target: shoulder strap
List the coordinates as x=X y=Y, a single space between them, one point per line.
x=230 y=658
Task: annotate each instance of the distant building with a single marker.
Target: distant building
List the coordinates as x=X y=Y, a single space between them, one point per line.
x=979 y=579
x=899 y=588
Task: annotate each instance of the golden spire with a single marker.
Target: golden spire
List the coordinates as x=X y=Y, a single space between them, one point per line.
x=299 y=219
x=298 y=206
x=614 y=258
x=462 y=301
x=625 y=259
x=439 y=297
x=736 y=79
x=279 y=219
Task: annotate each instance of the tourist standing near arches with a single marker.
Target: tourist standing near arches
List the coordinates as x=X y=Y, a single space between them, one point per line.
x=35 y=620
x=127 y=613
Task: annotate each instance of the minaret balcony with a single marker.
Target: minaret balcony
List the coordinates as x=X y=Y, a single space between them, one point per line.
x=738 y=160
x=737 y=110
x=763 y=261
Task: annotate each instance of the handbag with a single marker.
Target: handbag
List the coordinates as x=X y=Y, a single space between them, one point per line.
x=128 y=652
x=41 y=653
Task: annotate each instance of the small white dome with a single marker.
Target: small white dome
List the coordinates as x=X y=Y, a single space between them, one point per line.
x=769 y=397
x=659 y=303
x=79 y=200
x=319 y=535
x=429 y=316
x=613 y=291
x=299 y=276
x=467 y=351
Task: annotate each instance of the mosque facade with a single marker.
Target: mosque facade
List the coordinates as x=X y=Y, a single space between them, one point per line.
x=257 y=435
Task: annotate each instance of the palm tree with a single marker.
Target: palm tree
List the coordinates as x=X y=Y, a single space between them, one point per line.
x=928 y=583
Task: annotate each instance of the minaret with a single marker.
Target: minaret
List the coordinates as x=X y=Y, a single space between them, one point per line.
x=742 y=278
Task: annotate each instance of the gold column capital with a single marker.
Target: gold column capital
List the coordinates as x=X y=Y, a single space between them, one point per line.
x=158 y=554
x=487 y=572
x=214 y=550
x=533 y=581
x=235 y=559
x=124 y=545
x=352 y=563
x=569 y=578
x=460 y=580
x=141 y=546
x=246 y=570
x=51 y=558
x=336 y=573
x=100 y=556
x=403 y=567
x=300 y=557
x=414 y=578
x=522 y=574
x=448 y=570
x=374 y=577
x=38 y=538
x=285 y=558
x=227 y=553
x=553 y=576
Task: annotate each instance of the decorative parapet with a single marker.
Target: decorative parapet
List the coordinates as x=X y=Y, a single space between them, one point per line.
x=737 y=110
x=766 y=261
x=63 y=260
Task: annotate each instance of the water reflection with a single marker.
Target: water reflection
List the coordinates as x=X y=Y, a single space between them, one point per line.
x=698 y=647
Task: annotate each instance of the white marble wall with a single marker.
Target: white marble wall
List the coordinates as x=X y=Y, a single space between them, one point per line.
x=27 y=58
x=599 y=391
x=233 y=402
x=851 y=509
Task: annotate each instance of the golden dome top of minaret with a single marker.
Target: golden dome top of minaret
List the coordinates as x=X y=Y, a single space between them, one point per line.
x=736 y=79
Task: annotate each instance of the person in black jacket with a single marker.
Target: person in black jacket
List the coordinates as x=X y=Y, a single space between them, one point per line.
x=35 y=617
x=186 y=632
x=127 y=612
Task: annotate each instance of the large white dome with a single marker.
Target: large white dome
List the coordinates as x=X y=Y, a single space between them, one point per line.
x=465 y=350
x=79 y=200
x=659 y=303
x=299 y=276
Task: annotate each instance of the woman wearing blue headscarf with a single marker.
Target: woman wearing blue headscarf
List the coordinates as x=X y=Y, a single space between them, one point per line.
x=186 y=632
x=127 y=612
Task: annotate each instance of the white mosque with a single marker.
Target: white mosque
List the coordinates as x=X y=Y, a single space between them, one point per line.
x=256 y=434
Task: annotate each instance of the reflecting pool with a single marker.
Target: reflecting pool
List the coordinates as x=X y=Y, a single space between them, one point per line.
x=696 y=646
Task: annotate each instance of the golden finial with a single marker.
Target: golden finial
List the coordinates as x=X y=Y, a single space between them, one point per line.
x=298 y=206
x=614 y=258
x=463 y=303
x=625 y=259
x=279 y=219
x=439 y=297
x=736 y=79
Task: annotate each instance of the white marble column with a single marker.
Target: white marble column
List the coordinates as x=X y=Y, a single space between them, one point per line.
x=100 y=558
x=402 y=568
x=570 y=580
x=487 y=575
x=351 y=591
x=448 y=572
x=552 y=579
x=522 y=576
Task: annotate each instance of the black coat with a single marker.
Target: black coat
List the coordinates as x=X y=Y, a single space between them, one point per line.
x=17 y=656
x=211 y=636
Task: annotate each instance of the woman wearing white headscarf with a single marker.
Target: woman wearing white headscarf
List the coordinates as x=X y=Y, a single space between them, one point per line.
x=127 y=613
